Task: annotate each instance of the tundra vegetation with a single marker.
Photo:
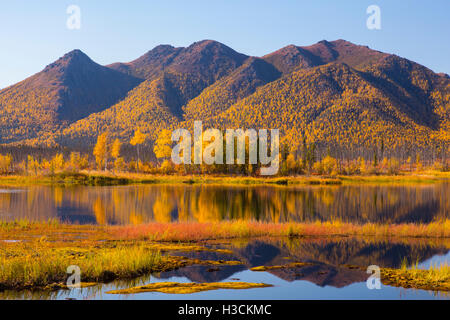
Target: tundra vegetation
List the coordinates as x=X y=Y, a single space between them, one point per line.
x=41 y=251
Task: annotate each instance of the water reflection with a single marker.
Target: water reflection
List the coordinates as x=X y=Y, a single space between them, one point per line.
x=327 y=277
x=167 y=203
x=329 y=258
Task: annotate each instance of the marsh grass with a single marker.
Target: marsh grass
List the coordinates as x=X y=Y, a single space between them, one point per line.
x=435 y=273
x=25 y=224
x=37 y=264
x=102 y=178
x=196 y=231
x=190 y=287
x=436 y=277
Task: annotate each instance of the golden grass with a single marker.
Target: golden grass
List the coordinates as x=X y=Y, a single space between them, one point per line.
x=111 y=178
x=406 y=178
x=46 y=249
x=285 y=266
x=52 y=230
x=190 y=287
x=196 y=231
x=41 y=257
x=37 y=264
x=436 y=278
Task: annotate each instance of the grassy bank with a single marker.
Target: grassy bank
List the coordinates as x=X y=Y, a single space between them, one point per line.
x=42 y=264
x=436 y=278
x=98 y=178
x=189 y=287
x=246 y=229
x=41 y=251
x=38 y=265
x=200 y=231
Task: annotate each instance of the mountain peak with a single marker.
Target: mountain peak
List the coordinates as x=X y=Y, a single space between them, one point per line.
x=212 y=47
x=206 y=42
x=73 y=55
x=290 y=57
x=324 y=42
x=76 y=57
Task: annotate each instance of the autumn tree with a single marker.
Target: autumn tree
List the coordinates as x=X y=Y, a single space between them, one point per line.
x=32 y=165
x=329 y=165
x=58 y=162
x=5 y=163
x=419 y=166
x=137 y=140
x=163 y=145
x=101 y=151
x=119 y=163
x=77 y=162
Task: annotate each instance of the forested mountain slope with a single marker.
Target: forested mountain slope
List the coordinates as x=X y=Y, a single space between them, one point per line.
x=335 y=94
x=67 y=90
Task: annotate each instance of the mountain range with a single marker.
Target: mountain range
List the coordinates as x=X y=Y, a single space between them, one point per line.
x=333 y=93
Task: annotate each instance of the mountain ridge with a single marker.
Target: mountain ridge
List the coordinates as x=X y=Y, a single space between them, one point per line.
x=332 y=92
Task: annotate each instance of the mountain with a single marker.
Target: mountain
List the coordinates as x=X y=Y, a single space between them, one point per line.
x=65 y=91
x=340 y=51
x=242 y=82
x=335 y=104
x=150 y=64
x=173 y=76
x=208 y=59
x=334 y=93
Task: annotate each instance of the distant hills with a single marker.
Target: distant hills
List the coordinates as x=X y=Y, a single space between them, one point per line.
x=333 y=93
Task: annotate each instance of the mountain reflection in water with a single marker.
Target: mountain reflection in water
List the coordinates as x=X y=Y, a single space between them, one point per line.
x=206 y=203
x=326 y=277
x=328 y=258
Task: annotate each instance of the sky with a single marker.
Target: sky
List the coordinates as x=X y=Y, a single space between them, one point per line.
x=34 y=33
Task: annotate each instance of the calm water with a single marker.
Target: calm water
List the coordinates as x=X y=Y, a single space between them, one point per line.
x=326 y=279
x=166 y=203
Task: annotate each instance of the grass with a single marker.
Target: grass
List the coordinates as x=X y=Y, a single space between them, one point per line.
x=31 y=265
x=42 y=251
x=286 y=266
x=45 y=249
x=51 y=230
x=26 y=224
x=436 y=278
x=190 y=287
x=65 y=178
x=195 y=231
x=99 y=178
x=406 y=178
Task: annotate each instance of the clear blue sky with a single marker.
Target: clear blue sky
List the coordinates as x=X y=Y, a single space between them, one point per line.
x=34 y=33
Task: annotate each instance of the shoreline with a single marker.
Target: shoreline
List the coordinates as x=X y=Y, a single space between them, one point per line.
x=110 y=253
x=111 y=179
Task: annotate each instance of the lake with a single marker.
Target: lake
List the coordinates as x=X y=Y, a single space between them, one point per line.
x=327 y=277
x=205 y=203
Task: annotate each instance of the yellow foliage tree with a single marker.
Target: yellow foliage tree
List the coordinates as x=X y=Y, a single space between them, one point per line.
x=115 y=149
x=163 y=144
x=101 y=151
x=329 y=165
x=5 y=163
x=136 y=140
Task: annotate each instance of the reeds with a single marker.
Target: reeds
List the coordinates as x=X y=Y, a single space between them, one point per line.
x=38 y=265
x=25 y=224
x=92 y=177
x=435 y=273
x=436 y=278
x=196 y=231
